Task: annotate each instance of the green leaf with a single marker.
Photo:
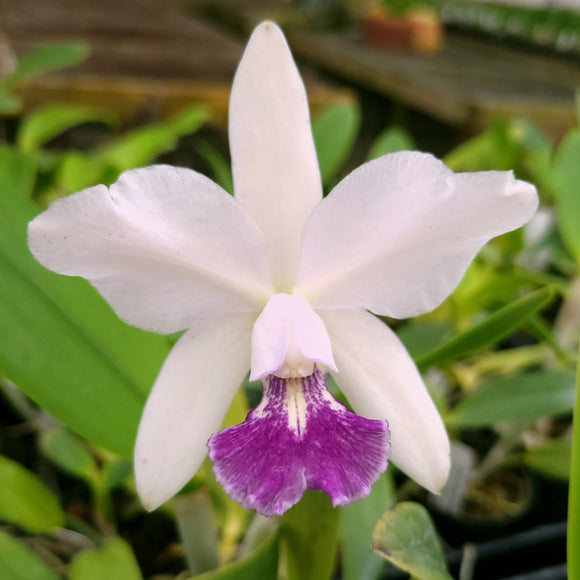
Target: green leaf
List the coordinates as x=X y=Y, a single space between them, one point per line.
x=142 y=146
x=491 y=150
x=334 y=133
x=494 y=328
x=357 y=523
x=114 y=561
x=46 y=59
x=391 y=140
x=46 y=123
x=536 y=151
x=551 y=459
x=484 y=288
x=17 y=562
x=523 y=397
x=220 y=168
x=68 y=351
x=421 y=337
x=566 y=177
x=573 y=537
x=26 y=501
x=406 y=537
x=10 y=103
x=17 y=172
x=309 y=538
x=69 y=453
x=188 y=120
x=78 y=170
x=261 y=565
x=115 y=473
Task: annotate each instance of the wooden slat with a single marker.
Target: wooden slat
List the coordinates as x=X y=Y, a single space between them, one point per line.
x=148 y=58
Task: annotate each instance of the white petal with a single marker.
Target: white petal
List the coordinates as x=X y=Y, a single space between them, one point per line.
x=396 y=235
x=164 y=246
x=310 y=332
x=275 y=168
x=380 y=381
x=187 y=404
x=289 y=331
x=270 y=338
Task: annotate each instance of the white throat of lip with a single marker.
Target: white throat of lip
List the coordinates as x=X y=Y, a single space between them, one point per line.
x=295 y=363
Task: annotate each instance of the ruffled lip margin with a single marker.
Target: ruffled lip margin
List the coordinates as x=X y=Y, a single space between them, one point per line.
x=299 y=437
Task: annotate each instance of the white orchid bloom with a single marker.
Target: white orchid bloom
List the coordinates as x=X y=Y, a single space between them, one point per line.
x=282 y=282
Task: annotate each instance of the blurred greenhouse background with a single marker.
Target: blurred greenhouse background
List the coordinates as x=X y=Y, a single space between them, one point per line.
x=92 y=88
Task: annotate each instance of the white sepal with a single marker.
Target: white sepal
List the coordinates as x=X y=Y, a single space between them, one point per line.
x=274 y=162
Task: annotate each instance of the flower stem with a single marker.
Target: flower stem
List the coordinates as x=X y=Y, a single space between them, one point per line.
x=309 y=538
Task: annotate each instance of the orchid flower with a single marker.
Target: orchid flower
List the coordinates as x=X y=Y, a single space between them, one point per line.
x=285 y=284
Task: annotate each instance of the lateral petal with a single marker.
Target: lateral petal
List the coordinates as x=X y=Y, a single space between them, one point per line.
x=380 y=381
x=188 y=403
x=164 y=246
x=274 y=162
x=397 y=234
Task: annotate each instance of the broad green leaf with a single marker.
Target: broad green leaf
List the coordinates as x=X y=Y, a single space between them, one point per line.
x=391 y=140
x=17 y=172
x=406 y=537
x=220 y=168
x=17 y=562
x=551 y=459
x=10 y=103
x=26 y=501
x=51 y=360
x=566 y=177
x=67 y=350
x=357 y=523
x=114 y=561
x=260 y=565
x=335 y=132
x=69 y=453
x=46 y=59
x=309 y=538
x=46 y=123
x=523 y=397
x=573 y=536
x=493 y=329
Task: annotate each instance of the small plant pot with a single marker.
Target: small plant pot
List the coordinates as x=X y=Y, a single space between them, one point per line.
x=416 y=32
x=495 y=508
